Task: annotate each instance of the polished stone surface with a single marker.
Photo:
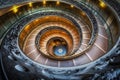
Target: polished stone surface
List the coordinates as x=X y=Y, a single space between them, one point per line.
x=60 y=50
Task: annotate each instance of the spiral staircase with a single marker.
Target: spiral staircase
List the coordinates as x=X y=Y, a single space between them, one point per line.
x=60 y=40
